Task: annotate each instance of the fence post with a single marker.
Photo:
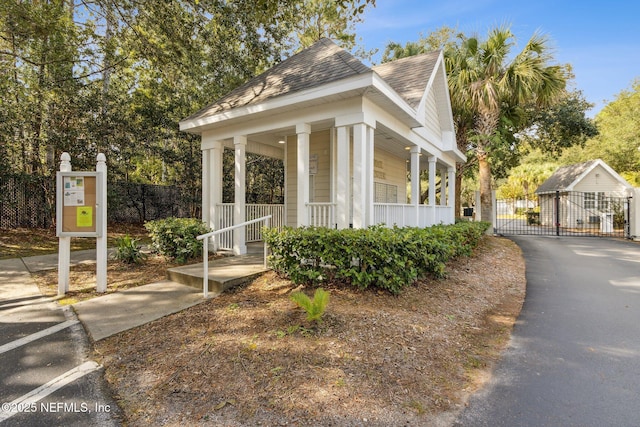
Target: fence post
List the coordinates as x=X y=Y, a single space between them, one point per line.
x=494 y=208
x=627 y=223
x=557 y=203
x=634 y=214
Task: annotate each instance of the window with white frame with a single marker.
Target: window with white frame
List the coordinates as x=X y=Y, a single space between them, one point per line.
x=589 y=200
x=596 y=200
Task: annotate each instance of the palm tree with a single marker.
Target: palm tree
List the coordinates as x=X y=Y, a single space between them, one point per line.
x=485 y=81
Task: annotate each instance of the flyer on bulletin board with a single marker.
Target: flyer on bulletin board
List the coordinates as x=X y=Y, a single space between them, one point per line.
x=84 y=216
x=74 y=191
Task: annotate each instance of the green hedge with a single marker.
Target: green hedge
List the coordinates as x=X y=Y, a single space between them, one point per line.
x=175 y=238
x=386 y=258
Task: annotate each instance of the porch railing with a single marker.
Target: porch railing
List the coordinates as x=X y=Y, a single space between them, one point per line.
x=253 y=231
x=394 y=214
x=403 y=215
x=444 y=215
x=321 y=214
x=213 y=234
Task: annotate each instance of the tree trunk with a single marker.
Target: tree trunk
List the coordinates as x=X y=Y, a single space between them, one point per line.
x=462 y=142
x=486 y=125
x=486 y=202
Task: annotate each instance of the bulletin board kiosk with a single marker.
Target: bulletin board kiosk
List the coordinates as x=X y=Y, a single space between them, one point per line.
x=81 y=211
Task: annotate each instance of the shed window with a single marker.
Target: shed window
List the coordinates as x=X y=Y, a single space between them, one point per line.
x=596 y=200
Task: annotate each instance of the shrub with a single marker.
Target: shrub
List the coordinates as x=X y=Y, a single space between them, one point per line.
x=175 y=238
x=128 y=250
x=386 y=258
x=315 y=308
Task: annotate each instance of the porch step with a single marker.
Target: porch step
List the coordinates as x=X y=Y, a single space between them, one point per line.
x=224 y=273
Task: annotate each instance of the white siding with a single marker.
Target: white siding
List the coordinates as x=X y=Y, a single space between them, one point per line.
x=392 y=170
x=604 y=182
x=388 y=169
x=432 y=120
x=319 y=145
x=291 y=181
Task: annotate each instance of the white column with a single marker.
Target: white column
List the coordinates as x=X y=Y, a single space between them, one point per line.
x=239 y=241
x=334 y=175
x=206 y=188
x=215 y=186
x=432 y=180
x=303 y=131
x=64 y=243
x=443 y=187
x=101 y=240
x=432 y=187
x=360 y=175
x=370 y=149
x=343 y=177
x=451 y=189
x=415 y=182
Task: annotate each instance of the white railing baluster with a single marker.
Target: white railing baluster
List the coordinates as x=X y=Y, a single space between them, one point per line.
x=321 y=214
x=403 y=215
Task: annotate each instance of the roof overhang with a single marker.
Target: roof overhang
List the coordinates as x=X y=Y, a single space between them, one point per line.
x=368 y=84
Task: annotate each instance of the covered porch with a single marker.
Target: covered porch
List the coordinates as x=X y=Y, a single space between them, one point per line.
x=353 y=141
x=328 y=185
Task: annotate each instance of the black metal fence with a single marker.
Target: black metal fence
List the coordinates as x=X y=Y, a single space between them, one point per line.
x=30 y=202
x=136 y=203
x=27 y=201
x=564 y=214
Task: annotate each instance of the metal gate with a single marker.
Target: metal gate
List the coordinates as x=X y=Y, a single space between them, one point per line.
x=564 y=214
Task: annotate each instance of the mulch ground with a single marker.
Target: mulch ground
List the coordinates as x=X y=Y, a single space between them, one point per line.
x=248 y=357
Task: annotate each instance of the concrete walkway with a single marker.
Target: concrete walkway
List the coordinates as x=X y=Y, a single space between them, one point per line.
x=114 y=312
x=16 y=286
x=123 y=310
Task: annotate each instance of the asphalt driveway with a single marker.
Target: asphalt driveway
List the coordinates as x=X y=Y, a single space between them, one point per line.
x=574 y=358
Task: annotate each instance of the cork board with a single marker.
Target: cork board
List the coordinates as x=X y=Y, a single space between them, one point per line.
x=78 y=214
x=79 y=204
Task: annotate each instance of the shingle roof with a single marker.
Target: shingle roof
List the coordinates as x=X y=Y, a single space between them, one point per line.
x=564 y=177
x=325 y=62
x=409 y=76
x=321 y=63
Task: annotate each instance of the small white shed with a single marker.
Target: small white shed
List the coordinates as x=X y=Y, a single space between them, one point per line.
x=581 y=194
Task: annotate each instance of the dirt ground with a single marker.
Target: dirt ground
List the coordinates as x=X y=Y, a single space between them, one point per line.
x=248 y=357
x=82 y=278
x=25 y=242
x=22 y=242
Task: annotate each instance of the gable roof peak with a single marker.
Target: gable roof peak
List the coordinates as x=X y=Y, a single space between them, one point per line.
x=566 y=177
x=321 y=63
x=409 y=76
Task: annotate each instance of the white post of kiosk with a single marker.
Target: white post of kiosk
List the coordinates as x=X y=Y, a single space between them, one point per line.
x=81 y=211
x=64 y=243
x=101 y=228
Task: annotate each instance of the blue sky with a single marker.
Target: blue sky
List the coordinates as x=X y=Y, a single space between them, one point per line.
x=601 y=39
